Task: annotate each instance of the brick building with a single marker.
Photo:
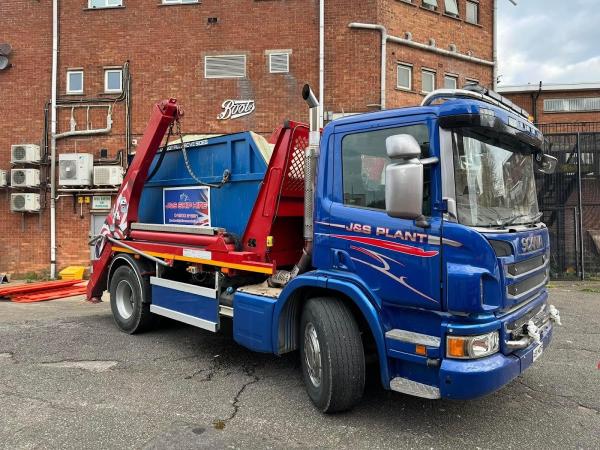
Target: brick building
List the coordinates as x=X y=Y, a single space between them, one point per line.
x=122 y=56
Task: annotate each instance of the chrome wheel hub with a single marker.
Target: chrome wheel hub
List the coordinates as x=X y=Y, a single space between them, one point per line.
x=312 y=354
x=124 y=299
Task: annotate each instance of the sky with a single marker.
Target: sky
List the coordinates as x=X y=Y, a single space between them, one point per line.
x=554 y=41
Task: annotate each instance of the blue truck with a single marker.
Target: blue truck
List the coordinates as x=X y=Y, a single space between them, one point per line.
x=409 y=239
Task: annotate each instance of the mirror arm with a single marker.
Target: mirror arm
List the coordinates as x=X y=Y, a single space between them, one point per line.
x=429 y=161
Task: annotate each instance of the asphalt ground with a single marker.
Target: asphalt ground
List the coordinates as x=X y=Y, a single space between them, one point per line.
x=70 y=379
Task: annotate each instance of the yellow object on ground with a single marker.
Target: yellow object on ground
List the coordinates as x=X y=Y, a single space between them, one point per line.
x=72 y=273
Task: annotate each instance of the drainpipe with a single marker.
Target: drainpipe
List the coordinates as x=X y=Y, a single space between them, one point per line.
x=321 y=60
x=384 y=38
x=495 y=45
x=53 y=140
x=534 y=100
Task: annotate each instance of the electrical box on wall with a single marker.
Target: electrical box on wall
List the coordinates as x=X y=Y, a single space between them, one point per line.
x=108 y=175
x=75 y=169
x=25 y=178
x=25 y=153
x=3 y=178
x=25 y=202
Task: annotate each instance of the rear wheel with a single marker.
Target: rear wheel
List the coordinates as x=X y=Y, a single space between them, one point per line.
x=332 y=355
x=131 y=311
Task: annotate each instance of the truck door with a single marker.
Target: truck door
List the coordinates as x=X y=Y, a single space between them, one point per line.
x=399 y=261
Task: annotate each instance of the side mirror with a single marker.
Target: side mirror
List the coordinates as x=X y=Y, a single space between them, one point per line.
x=404 y=178
x=545 y=163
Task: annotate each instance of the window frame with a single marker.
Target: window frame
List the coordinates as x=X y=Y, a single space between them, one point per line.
x=106 y=5
x=410 y=76
x=476 y=5
x=106 y=88
x=429 y=72
x=451 y=14
x=179 y=2
x=449 y=76
x=232 y=77
x=428 y=4
x=70 y=91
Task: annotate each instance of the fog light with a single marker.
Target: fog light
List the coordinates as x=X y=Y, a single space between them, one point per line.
x=472 y=347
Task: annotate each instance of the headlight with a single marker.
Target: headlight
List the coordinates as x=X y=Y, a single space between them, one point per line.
x=471 y=347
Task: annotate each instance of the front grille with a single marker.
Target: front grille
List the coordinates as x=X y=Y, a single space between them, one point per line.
x=520 y=268
x=522 y=287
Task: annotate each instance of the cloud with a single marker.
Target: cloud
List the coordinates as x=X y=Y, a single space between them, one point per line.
x=554 y=41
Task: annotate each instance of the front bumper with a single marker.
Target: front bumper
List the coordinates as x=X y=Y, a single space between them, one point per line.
x=463 y=380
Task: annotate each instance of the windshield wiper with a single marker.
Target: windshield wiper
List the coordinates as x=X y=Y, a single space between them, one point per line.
x=513 y=219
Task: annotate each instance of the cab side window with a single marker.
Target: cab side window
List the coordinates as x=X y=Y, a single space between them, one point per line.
x=364 y=159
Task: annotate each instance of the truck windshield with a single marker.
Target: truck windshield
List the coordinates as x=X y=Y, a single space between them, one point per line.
x=495 y=187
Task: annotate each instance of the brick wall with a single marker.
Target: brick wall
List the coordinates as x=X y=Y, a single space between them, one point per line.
x=165 y=47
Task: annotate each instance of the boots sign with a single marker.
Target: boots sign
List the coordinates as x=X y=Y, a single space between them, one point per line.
x=233 y=109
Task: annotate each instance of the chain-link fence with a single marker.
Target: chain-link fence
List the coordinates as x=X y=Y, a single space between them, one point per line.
x=570 y=199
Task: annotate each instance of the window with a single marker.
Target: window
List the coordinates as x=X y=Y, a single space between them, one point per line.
x=113 y=80
x=364 y=159
x=427 y=81
x=75 y=82
x=178 y=2
x=404 y=77
x=472 y=81
x=451 y=7
x=279 y=62
x=450 y=81
x=576 y=104
x=430 y=4
x=472 y=12
x=104 y=3
x=225 y=66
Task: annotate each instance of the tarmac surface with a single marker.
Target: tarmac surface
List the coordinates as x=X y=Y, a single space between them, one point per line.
x=70 y=379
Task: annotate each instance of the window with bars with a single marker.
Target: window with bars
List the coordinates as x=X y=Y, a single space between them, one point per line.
x=577 y=104
x=472 y=12
x=279 y=62
x=225 y=66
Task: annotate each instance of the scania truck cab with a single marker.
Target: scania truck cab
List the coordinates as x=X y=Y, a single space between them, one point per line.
x=423 y=251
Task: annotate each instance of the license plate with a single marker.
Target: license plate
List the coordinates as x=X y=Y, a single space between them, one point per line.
x=538 y=351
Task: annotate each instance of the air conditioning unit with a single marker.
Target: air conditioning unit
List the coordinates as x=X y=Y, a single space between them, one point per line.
x=108 y=175
x=75 y=169
x=25 y=202
x=3 y=178
x=25 y=178
x=24 y=153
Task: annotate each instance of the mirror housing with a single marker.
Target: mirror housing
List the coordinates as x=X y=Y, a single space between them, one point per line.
x=545 y=163
x=404 y=178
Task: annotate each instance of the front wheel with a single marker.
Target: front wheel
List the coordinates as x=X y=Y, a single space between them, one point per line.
x=332 y=355
x=130 y=310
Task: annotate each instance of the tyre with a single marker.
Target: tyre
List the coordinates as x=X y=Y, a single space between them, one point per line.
x=332 y=355
x=130 y=310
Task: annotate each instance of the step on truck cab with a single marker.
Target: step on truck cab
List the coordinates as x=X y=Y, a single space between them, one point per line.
x=408 y=237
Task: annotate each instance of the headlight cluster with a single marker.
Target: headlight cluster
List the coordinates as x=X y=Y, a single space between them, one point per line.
x=472 y=347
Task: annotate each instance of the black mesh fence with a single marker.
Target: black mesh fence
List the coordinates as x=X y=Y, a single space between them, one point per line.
x=570 y=200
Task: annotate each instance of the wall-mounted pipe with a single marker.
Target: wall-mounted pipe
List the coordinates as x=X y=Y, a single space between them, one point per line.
x=321 y=61
x=385 y=37
x=53 y=140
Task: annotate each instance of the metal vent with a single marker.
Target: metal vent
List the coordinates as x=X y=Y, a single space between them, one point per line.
x=19 y=153
x=18 y=177
x=279 y=62
x=18 y=201
x=225 y=66
x=68 y=170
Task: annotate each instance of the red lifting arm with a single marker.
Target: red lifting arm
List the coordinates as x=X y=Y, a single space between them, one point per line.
x=125 y=209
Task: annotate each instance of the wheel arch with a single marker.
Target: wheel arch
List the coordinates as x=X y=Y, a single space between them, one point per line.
x=140 y=268
x=288 y=310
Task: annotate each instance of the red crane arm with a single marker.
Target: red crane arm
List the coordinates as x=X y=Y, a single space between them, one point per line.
x=125 y=209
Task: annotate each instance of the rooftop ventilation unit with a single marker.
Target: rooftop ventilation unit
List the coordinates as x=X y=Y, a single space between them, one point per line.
x=3 y=178
x=24 y=153
x=25 y=202
x=75 y=169
x=24 y=178
x=108 y=175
